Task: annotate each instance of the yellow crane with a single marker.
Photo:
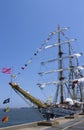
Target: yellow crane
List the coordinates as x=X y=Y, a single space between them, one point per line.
x=28 y=96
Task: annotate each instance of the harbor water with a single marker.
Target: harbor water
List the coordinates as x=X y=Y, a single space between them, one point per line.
x=20 y=116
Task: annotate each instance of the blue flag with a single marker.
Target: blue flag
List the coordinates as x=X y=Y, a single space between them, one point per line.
x=6 y=100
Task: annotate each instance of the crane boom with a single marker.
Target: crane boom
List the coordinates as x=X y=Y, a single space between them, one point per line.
x=27 y=95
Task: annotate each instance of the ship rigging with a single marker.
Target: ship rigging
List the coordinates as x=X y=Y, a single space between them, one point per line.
x=70 y=78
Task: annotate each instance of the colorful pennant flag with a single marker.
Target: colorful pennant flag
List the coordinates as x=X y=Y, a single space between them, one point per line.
x=6 y=100
x=25 y=65
x=5 y=119
x=13 y=76
x=52 y=33
x=22 y=68
x=6 y=70
x=47 y=39
x=29 y=61
x=6 y=109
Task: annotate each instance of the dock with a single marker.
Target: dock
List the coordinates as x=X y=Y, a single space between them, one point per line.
x=71 y=122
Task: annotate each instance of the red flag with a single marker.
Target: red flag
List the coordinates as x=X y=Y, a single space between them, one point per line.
x=6 y=70
x=75 y=82
x=5 y=119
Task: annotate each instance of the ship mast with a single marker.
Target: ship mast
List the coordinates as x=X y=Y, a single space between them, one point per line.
x=60 y=65
x=80 y=86
x=71 y=73
x=61 y=80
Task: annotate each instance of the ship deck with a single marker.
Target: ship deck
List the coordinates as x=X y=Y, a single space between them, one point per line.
x=65 y=123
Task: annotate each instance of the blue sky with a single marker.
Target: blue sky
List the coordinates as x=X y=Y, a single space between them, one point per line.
x=24 y=25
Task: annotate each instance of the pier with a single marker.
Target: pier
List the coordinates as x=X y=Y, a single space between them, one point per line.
x=71 y=122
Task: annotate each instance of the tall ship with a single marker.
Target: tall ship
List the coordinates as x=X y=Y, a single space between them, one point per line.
x=65 y=76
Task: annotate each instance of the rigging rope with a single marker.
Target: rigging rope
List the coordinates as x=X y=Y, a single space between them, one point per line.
x=27 y=101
